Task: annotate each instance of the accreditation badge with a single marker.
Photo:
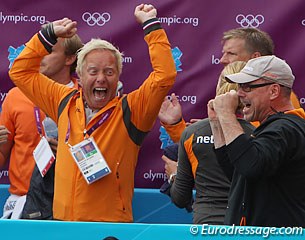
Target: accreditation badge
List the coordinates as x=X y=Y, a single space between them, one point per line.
x=90 y=160
x=43 y=156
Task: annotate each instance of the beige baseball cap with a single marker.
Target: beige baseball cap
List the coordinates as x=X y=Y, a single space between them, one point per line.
x=270 y=68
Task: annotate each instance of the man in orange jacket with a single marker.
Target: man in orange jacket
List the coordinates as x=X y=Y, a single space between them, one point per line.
x=25 y=128
x=100 y=187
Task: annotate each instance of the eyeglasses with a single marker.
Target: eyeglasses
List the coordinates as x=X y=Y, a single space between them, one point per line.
x=246 y=87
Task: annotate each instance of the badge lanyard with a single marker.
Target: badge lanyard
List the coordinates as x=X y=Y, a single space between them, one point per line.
x=42 y=154
x=38 y=120
x=87 y=154
x=88 y=132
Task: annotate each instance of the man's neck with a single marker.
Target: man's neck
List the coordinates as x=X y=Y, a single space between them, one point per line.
x=62 y=77
x=282 y=106
x=65 y=81
x=277 y=108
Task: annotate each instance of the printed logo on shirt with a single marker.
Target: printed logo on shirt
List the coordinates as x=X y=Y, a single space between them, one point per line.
x=303 y=22
x=205 y=139
x=10 y=205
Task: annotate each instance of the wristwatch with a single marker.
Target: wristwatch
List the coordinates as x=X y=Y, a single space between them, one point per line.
x=172 y=177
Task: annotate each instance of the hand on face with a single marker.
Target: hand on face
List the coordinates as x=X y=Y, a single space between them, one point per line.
x=211 y=112
x=225 y=103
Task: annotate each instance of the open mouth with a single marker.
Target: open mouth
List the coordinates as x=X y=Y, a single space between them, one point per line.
x=246 y=106
x=100 y=93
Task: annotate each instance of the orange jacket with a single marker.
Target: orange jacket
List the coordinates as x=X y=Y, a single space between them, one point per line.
x=19 y=118
x=110 y=198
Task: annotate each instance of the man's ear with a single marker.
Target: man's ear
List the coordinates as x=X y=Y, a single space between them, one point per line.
x=256 y=54
x=275 y=91
x=70 y=60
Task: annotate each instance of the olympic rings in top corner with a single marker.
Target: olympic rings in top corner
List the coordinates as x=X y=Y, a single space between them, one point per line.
x=96 y=18
x=249 y=20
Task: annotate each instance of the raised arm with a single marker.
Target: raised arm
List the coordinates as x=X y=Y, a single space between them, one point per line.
x=170 y=116
x=146 y=101
x=224 y=107
x=25 y=71
x=145 y=12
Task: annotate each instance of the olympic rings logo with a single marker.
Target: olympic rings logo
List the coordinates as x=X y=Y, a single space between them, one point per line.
x=96 y=18
x=249 y=20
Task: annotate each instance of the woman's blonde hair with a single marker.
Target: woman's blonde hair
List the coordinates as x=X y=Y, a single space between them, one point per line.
x=223 y=86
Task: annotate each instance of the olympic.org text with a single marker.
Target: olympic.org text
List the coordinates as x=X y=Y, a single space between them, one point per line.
x=4 y=18
x=179 y=20
x=265 y=232
x=152 y=176
x=2 y=96
x=3 y=173
x=191 y=99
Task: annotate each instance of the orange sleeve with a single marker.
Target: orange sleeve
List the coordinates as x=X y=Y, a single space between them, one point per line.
x=175 y=131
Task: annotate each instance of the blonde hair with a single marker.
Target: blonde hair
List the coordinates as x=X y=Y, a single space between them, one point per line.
x=71 y=46
x=223 y=86
x=97 y=44
x=255 y=40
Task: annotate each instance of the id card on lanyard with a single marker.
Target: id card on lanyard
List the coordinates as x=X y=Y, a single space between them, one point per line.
x=43 y=153
x=43 y=156
x=90 y=160
x=87 y=155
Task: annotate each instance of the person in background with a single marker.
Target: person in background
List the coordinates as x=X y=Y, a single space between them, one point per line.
x=102 y=189
x=268 y=167
x=170 y=156
x=198 y=167
x=239 y=44
x=24 y=135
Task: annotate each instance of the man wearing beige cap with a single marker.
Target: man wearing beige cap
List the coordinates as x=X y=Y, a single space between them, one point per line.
x=268 y=168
